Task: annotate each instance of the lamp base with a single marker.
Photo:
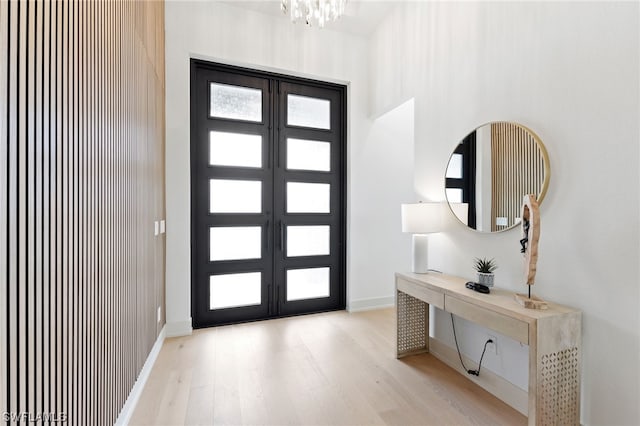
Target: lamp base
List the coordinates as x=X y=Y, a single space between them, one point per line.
x=419 y=252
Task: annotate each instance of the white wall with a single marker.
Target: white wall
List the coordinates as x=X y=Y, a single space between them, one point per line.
x=569 y=71
x=381 y=180
x=223 y=33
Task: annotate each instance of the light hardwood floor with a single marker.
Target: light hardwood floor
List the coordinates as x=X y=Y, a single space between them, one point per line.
x=324 y=369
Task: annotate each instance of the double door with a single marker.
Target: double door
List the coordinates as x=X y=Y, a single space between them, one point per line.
x=267 y=195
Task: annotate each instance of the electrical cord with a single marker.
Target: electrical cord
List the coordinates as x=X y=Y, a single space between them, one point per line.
x=469 y=371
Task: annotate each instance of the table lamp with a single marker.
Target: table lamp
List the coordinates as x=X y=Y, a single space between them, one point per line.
x=421 y=219
x=461 y=211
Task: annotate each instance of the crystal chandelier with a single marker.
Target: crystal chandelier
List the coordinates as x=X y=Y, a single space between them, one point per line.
x=314 y=12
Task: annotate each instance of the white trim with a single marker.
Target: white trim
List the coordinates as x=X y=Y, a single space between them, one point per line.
x=130 y=404
x=265 y=68
x=491 y=382
x=178 y=328
x=371 y=303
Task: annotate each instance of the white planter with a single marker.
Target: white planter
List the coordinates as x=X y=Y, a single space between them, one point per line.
x=485 y=279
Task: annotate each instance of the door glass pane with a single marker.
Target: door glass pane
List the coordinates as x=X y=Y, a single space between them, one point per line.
x=308 y=197
x=308 y=155
x=233 y=290
x=307 y=240
x=235 y=149
x=308 y=112
x=235 y=242
x=235 y=196
x=454 y=195
x=454 y=168
x=236 y=102
x=309 y=283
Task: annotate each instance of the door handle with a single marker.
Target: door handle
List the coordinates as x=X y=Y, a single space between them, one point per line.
x=269 y=299
x=281 y=236
x=268 y=239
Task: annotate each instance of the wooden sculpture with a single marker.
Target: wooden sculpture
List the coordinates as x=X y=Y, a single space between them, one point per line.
x=530 y=225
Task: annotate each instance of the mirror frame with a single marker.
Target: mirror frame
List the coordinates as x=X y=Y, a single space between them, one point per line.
x=545 y=182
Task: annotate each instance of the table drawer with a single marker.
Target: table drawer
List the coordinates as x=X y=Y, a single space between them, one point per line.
x=516 y=329
x=421 y=292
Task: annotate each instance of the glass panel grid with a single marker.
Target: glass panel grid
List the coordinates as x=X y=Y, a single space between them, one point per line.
x=305 y=111
x=235 y=149
x=310 y=283
x=454 y=195
x=454 y=168
x=303 y=197
x=235 y=196
x=235 y=243
x=234 y=290
x=236 y=102
x=312 y=240
x=308 y=155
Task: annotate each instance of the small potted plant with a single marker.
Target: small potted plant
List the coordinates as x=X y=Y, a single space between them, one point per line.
x=485 y=268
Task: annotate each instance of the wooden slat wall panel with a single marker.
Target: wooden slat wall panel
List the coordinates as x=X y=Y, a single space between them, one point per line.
x=517 y=169
x=81 y=184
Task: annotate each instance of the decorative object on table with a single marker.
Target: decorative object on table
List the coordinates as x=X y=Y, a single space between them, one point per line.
x=480 y=288
x=530 y=225
x=421 y=219
x=485 y=268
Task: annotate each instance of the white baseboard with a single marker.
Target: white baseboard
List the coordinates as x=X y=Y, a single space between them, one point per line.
x=491 y=382
x=179 y=328
x=131 y=402
x=370 y=304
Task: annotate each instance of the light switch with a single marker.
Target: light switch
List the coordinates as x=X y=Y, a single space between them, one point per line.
x=156 y=227
x=162 y=226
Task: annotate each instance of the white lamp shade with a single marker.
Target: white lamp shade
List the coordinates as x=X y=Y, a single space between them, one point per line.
x=422 y=218
x=461 y=210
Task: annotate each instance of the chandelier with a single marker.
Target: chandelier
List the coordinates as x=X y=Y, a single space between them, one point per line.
x=314 y=12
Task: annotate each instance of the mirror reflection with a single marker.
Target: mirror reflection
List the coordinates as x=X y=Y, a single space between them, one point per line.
x=489 y=173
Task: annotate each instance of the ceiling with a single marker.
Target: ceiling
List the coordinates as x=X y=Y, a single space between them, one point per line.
x=361 y=16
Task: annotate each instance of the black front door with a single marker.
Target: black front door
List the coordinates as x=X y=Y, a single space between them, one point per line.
x=267 y=195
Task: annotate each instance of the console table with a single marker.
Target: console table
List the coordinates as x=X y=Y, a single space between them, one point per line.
x=553 y=336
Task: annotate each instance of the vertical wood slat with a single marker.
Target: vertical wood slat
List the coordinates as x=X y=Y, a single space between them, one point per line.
x=11 y=200
x=81 y=118
x=22 y=216
x=3 y=203
x=517 y=169
x=47 y=64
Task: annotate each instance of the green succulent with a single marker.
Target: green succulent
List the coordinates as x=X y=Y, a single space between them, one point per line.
x=484 y=265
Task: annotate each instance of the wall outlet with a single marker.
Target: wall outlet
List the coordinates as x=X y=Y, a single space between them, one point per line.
x=159 y=313
x=492 y=347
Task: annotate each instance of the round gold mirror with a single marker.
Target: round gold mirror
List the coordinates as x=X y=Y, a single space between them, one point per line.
x=491 y=170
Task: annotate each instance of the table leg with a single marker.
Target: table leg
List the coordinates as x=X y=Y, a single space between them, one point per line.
x=412 y=325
